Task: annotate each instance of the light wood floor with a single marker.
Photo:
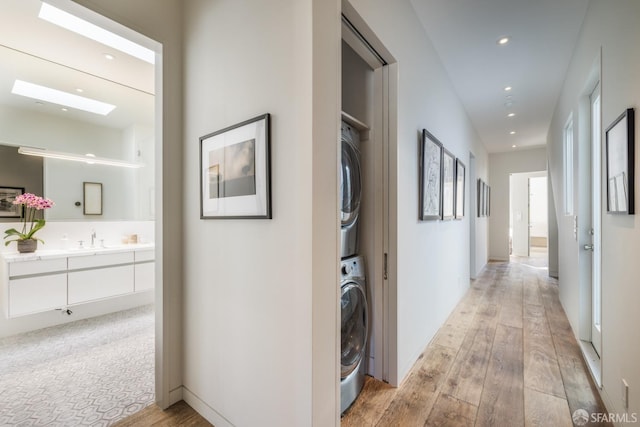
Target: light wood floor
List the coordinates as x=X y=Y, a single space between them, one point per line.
x=177 y=415
x=505 y=357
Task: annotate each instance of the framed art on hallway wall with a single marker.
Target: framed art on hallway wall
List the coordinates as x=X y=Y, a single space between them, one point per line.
x=235 y=180
x=460 y=187
x=430 y=177
x=448 y=184
x=620 y=152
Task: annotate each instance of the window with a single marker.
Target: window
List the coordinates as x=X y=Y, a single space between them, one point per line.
x=568 y=166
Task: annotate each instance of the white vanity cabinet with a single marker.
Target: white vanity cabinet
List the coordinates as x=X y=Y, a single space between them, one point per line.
x=35 y=286
x=49 y=280
x=144 y=270
x=94 y=277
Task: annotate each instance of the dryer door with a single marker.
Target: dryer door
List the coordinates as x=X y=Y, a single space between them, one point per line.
x=350 y=184
x=354 y=327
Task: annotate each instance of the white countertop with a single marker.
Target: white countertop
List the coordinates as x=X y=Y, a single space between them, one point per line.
x=40 y=254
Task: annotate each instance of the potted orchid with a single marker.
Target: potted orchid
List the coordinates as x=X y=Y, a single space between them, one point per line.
x=24 y=239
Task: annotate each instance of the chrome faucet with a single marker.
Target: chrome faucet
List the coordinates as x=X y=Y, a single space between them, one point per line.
x=93 y=238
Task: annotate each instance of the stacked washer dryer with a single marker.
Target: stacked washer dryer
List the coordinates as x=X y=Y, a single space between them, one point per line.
x=353 y=295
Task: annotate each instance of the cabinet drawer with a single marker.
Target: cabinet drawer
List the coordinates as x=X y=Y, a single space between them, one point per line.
x=100 y=260
x=145 y=276
x=35 y=294
x=89 y=285
x=23 y=268
x=145 y=255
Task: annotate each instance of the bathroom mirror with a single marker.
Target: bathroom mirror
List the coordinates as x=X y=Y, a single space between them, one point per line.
x=30 y=52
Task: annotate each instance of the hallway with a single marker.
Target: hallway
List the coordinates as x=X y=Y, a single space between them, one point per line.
x=505 y=357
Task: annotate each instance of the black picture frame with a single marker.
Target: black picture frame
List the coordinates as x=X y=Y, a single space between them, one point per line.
x=448 y=184
x=7 y=196
x=620 y=166
x=235 y=171
x=430 y=177
x=480 y=198
x=460 y=189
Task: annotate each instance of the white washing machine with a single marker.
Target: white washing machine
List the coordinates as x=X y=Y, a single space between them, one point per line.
x=354 y=329
x=350 y=190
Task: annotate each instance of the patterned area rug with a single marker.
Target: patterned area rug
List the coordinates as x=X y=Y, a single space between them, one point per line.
x=91 y=372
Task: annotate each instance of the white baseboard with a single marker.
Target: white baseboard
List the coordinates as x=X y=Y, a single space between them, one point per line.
x=205 y=410
x=175 y=395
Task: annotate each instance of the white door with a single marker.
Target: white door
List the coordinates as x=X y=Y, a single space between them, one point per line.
x=519 y=189
x=596 y=203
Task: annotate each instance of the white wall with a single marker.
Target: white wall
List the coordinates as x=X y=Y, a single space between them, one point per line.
x=501 y=165
x=433 y=256
x=539 y=206
x=612 y=28
x=257 y=293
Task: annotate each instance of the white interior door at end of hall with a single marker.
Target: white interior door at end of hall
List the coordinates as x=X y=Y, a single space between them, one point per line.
x=520 y=214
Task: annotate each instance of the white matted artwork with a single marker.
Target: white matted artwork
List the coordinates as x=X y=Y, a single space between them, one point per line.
x=431 y=176
x=460 y=187
x=234 y=171
x=448 y=184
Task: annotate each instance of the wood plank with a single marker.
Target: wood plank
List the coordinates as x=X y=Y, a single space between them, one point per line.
x=541 y=370
x=503 y=395
x=178 y=415
x=372 y=402
x=544 y=410
x=466 y=378
x=416 y=396
x=580 y=390
x=452 y=412
x=451 y=335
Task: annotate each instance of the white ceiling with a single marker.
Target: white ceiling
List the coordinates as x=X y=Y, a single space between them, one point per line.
x=39 y=52
x=543 y=36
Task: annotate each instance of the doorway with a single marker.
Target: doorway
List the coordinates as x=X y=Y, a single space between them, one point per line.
x=135 y=127
x=528 y=217
x=368 y=105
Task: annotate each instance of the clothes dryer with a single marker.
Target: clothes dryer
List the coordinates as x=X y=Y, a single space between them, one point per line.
x=350 y=190
x=354 y=329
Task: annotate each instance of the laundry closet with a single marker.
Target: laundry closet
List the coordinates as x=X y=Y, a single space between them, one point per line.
x=364 y=153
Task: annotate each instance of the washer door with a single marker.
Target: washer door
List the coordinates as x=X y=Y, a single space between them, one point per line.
x=350 y=184
x=353 y=303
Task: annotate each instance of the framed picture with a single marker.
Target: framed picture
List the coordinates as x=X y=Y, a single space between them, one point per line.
x=620 y=154
x=488 y=201
x=480 y=198
x=7 y=196
x=235 y=176
x=92 y=197
x=448 y=184
x=460 y=187
x=430 y=177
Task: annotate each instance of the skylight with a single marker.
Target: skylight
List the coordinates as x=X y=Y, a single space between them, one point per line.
x=73 y=23
x=59 y=97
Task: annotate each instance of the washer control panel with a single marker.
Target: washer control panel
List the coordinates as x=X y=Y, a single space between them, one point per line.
x=352 y=267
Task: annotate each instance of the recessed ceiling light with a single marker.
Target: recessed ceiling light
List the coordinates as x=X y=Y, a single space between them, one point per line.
x=87 y=29
x=109 y=56
x=508 y=88
x=511 y=114
x=79 y=90
x=513 y=132
x=59 y=97
x=513 y=146
x=503 y=40
x=64 y=109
